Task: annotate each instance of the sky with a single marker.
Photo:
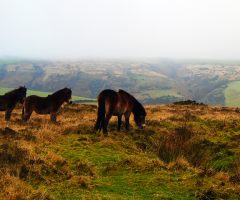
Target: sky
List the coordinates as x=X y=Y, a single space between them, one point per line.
x=75 y=29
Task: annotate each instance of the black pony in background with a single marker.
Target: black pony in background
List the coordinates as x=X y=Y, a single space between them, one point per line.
x=46 y=105
x=9 y=100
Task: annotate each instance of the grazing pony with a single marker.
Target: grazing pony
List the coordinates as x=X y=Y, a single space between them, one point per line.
x=9 y=100
x=46 y=105
x=112 y=103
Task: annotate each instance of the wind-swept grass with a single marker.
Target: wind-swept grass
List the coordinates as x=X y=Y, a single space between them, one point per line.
x=185 y=152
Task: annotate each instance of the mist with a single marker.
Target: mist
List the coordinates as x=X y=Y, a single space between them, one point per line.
x=76 y=29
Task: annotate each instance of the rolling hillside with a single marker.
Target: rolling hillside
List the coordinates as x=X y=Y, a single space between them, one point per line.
x=88 y=77
x=185 y=152
x=152 y=81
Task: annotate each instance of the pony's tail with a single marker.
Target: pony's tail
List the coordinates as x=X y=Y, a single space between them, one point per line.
x=100 y=114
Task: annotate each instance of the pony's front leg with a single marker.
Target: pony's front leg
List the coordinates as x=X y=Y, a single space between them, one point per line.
x=127 y=124
x=53 y=117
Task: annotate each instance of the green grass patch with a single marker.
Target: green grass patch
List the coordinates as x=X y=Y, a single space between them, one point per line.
x=124 y=182
x=161 y=93
x=232 y=94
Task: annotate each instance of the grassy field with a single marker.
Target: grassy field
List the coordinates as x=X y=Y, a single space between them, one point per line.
x=232 y=94
x=185 y=152
x=44 y=94
x=160 y=93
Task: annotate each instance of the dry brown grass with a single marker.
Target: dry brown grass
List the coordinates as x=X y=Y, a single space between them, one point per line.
x=12 y=188
x=22 y=146
x=161 y=112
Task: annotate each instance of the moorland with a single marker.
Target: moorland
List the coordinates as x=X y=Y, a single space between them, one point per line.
x=185 y=152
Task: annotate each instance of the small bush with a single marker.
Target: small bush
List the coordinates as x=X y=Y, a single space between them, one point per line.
x=55 y=159
x=208 y=195
x=84 y=167
x=222 y=176
x=136 y=164
x=180 y=164
x=174 y=144
x=83 y=181
x=12 y=188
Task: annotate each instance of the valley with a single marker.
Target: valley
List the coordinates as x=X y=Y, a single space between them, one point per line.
x=152 y=81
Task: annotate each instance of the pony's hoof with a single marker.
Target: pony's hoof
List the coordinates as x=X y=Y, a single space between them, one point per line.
x=55 y=122
x=105 y=134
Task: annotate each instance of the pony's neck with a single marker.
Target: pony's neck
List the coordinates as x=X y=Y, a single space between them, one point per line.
x=57 y=97
x=137 y=107
x=16 y=95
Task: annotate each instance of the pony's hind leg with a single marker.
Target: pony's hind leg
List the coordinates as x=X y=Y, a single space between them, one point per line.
x=106 y=121
x=8 y=114
x=97 y=126
x=119 y=122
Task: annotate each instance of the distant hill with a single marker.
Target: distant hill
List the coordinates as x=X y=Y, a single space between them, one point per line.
x=152 y=81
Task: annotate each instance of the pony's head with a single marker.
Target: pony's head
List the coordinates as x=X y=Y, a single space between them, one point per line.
x=22 y=93
x=139 y=118
x=67 y=95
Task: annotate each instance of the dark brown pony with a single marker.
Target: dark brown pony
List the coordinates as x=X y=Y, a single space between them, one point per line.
x=46 y=105
x=112 y=103
x=9 y=100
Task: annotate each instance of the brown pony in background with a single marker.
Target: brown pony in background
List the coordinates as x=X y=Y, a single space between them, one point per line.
x=112 y=103
x=46 y=105
x=9 y=100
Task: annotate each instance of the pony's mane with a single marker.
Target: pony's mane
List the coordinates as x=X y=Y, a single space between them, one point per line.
x=58 y=92
x=13 y=91
x=123 y=91
x=138 y=107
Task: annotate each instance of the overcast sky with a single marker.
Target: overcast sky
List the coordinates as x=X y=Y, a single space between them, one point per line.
x=75 y=29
